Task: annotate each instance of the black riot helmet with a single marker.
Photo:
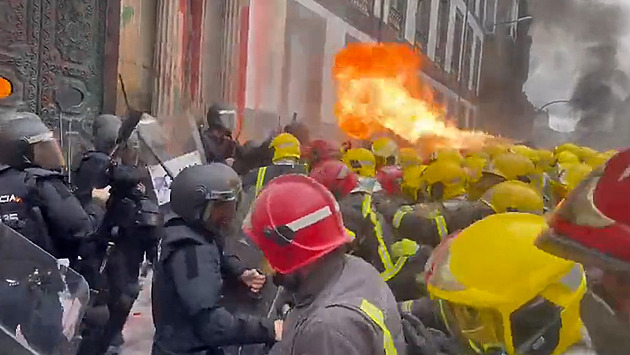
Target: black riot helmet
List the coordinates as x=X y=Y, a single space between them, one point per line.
x=197 y=188
x=221 y=117
x=26 y=140
x=105 y=131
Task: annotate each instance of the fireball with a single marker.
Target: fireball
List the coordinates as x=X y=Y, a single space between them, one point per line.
x=379 y=90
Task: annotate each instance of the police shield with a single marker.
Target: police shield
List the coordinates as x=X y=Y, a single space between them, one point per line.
x=41 y=299
x=167 y=151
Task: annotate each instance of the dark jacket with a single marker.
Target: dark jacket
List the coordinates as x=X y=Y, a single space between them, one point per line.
x=270 y=172
x=428 y=223
x=186 y=290
x=37 y=204
x=366 y=244
x=334 y=312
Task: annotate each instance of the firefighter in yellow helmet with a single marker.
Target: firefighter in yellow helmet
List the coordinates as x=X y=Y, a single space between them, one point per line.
x=597 y=160
x=525 y=151
x=499 y=294
x=412 y=185
x=493 y=149
x=568 y=147
x=445 y=180
x=569 y=177
x=409 y=157
x=505 y=167
x=385 y=152
x=513 y=196
x=445 y=211
x=566 y=157
x=447 y=154
x=545 y=160
x=474 y=166
x=286 y=157
x=374 y=240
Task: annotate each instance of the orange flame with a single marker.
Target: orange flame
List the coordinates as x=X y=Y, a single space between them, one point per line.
x=379 y=90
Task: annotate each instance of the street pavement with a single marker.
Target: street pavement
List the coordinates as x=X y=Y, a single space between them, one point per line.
x=138 y=331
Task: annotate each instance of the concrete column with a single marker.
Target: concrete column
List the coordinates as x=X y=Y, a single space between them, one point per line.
x=169 y=79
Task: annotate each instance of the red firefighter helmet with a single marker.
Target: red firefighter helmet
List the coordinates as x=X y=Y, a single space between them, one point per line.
x=336 y=177
x=295 y=232
x=321 y=150
x=390 y=177
x=592 y=225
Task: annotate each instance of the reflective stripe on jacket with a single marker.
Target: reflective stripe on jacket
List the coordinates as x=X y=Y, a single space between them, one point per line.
x=353 y=313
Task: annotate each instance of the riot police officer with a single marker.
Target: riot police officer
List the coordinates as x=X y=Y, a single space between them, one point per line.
x=217 y=136
x=131 y=227
x=35 y=201
x=188 y=275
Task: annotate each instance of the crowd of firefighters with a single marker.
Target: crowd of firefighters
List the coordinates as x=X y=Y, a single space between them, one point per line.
x=372 y=248
x=456 y=235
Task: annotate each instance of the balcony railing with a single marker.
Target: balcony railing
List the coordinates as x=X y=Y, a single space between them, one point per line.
x=420 y=41
x=395 y=18
x=365 y=6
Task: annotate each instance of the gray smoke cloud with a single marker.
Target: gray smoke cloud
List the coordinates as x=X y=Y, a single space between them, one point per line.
x=585 y=41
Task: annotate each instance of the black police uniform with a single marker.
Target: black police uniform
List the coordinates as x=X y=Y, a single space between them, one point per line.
x=186 y=290
x=132 y=226
x=37 y=204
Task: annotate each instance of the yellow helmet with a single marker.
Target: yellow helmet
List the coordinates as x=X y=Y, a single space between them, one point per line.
x=447 y=154
x=566 y=157
x=568 y=147
x=408 y=157
x=513 y=167
x=525 y=151
x=444 y=180
x=474 y=166
x=493 y=149
x=597 y=160
x=412 y=181
x=385 y=151
x=569 y=177
x=611 y=153
x=496 y=291
x=361 y=161
x=513 y=196
x=285 y=146
x=586 y=153
x=545 y=160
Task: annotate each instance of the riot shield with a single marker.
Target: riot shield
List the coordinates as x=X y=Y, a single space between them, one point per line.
x=41 y=299
x=167 y=148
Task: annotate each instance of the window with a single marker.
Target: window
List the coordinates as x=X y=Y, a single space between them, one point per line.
x=457 y=44
x=440 y=49
x=469 y=38
x=472 y=6
x=482 y=11
x=6 y=88
x=365 y=6
x=475 y=74
x=397 y=13
x=423 y=19
x=490 y=18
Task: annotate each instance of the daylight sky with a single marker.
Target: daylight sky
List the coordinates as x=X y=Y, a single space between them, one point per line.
x=554 y=69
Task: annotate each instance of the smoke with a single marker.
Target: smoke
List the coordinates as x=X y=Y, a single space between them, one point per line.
x=588 y=38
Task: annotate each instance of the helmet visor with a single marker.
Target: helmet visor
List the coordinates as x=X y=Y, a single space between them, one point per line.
x=535 y=327
x=479 y=328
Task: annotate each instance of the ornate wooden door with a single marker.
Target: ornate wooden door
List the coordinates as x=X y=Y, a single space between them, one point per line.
x=52 y=53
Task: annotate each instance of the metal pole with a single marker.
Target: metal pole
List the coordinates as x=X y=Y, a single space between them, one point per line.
x=379 y=34
x=461 y=59
x=553 y=103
